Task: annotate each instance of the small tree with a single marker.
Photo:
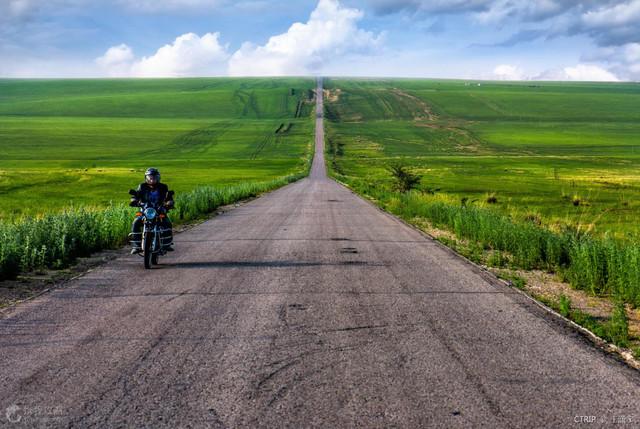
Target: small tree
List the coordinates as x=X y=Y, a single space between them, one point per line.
x=404 y=179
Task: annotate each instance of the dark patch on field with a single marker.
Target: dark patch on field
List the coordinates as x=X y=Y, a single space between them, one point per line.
x=202 y=137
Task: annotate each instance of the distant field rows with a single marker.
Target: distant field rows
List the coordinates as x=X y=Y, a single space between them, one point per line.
x=538 y=147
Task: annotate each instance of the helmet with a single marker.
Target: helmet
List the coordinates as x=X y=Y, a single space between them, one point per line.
x=152 y=176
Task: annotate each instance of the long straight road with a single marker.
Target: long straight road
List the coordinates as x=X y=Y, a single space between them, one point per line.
x=307 y=307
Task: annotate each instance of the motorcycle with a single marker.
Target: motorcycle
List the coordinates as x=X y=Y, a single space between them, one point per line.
x=153 y=233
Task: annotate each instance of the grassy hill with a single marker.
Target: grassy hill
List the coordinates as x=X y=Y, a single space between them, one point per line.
x=566 y=155
x=86 y=142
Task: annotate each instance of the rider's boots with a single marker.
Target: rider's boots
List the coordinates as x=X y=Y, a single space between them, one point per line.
x=167 y=240
x=136 y=242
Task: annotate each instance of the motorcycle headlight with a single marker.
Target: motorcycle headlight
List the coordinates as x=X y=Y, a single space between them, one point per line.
x=150 y=213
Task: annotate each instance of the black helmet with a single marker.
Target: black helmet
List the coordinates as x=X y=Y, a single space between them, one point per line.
x=152 y=176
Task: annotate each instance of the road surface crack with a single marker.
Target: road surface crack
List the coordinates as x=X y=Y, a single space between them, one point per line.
x=276 y=372
x=355 y=328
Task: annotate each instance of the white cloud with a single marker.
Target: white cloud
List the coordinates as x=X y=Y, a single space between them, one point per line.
x=508 y=72
x=617 y=14
x=586 y=72
x=188 y=55
x=117 y=61
x=330 y=32
x=579 y=72
x=612 y=23
x=623 y=61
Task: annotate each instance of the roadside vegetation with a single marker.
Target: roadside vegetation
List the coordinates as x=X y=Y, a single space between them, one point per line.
x=529 y=177
x=72 y=149
x=56 y=240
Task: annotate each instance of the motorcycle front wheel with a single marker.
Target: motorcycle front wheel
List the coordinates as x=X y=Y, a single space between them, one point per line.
x=148 y=250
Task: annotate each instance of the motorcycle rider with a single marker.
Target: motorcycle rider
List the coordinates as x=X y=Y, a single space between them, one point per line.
x=156 y=193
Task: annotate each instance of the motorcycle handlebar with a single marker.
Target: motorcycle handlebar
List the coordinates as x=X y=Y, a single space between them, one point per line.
x=160 y=208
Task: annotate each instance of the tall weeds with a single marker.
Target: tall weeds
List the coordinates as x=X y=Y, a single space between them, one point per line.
x=602 y=266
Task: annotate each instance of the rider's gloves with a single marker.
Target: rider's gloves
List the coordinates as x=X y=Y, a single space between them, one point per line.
x=169 y=204
x=134 y=203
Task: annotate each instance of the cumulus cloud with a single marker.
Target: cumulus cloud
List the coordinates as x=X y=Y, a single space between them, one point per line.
x=624 y=61
x=508 y=72
x=330 y=33
x=117 y=61
x=188 y=55
x=305 y=48
x=587 y=72
x=579 y=72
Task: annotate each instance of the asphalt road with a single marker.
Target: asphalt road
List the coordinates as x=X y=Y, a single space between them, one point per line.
x=306 y=307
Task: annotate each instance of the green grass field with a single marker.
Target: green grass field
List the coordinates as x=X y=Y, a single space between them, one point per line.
x=567 y=154
x=86 y=142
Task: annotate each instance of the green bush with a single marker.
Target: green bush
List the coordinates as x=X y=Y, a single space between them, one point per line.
x=618 y=326
x=404 y=179
x=564 y=305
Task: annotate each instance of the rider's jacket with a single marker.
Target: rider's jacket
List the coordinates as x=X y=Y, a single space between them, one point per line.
x=156 y=196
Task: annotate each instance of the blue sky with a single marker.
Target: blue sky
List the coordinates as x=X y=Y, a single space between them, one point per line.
x=474 y=39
